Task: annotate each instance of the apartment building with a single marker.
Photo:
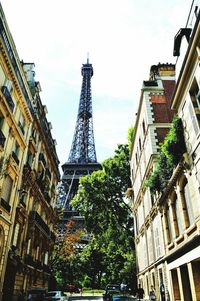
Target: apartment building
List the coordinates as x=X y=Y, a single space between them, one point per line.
x=153 y=120
x=28 y=175
x=167 y=215
x=181 y=203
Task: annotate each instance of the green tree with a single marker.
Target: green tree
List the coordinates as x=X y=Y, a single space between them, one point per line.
x=101 y=196
x=101 y=200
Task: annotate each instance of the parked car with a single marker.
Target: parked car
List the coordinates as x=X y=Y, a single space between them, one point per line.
x=36 y=294
x=55 y=296
x=123 y=297
x=110 y=290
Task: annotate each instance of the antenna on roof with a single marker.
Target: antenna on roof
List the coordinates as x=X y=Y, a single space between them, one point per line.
x=87 y=57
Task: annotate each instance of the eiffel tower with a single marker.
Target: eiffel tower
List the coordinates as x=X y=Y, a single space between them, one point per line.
x=82 y=158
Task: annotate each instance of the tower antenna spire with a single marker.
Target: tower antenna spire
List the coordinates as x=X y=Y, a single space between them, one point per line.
x=88 y=57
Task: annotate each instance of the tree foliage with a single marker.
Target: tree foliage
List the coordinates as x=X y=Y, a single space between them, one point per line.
x=170 y=154
x=110 y=255
x=101 y=196
x=101 y=200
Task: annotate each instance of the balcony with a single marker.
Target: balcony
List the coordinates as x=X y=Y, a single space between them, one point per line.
x=39 y=221
x=5 y=205
x=2 y=139
x=8 y=98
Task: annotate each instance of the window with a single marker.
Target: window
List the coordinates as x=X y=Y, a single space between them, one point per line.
x=136 y=159
x=178 y=216
x=16 y=235
x=28 y=246
x=150 y=246
x=23 y=197
x=29 y=158
x=140 y=145
x=2 y=137
x=16 y=149
x=21 y=124
x=157 y=242
x=37 y=253
x=34 y=135
x=15 y=153
x=2 y=238
x=46 y=258
x=169 y=224
x=143 y=127
x=145 y=252
x=1 y=121
x=136 y=223
x=188 y=202
x=6 y=189
x=194 y=109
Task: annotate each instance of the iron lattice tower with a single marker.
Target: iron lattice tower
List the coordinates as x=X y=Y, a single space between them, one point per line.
x=82 y=158
x=83 y=147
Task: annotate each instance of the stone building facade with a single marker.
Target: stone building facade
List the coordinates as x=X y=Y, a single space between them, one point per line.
x=153 y=120
x=181 y=203
x=28 y=175
x=167 y=222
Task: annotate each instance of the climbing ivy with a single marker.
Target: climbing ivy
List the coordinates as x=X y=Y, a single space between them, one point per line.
x=170 y=154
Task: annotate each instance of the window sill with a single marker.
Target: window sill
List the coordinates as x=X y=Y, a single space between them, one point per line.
x=191 y=229
x=179 y=239
x=170 y=246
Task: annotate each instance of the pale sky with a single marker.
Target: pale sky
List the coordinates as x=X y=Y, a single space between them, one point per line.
x=123 y=38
